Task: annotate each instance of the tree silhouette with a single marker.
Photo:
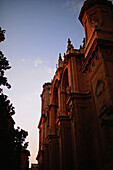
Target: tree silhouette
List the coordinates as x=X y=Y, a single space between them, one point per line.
x=2 y=36
x=19 y=138
x=11 y=140
x=4 y=65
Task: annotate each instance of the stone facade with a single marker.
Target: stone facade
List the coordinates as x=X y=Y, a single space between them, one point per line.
x=79 y=100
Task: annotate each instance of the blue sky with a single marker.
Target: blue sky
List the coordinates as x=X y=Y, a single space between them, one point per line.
x=36 y=32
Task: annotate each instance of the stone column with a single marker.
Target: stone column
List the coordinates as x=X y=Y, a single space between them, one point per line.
x=65 y=144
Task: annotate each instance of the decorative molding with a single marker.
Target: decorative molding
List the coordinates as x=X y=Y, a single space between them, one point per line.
x=100 y=87
x=90 y=59
x=95 y=19
x=68 y=90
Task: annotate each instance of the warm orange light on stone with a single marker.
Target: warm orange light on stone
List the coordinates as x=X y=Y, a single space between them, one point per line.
x=79 y=97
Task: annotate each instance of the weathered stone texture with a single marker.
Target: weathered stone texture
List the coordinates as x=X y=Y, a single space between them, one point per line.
x=79 y=100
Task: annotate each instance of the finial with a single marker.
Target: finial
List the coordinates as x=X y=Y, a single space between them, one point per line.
x=60 y=58
x=69 y=42
x=70 y=47
x=60 y=62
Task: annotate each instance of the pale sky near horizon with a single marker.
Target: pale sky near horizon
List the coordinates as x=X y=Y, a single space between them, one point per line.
x=36 y=32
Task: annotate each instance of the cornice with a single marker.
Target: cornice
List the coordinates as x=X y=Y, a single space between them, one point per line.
x=90 y=55
x=90 y=3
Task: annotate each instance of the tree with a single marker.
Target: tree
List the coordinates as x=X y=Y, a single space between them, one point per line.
x=6 y=112
x=19 y=145
x=19 y=138
x=11 y=140
x=2 y=36
x=4 y=65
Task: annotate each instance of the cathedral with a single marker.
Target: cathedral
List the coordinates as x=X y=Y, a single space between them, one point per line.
x=76 y=123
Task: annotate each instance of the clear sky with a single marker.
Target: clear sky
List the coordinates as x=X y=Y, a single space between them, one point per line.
x=36 y=32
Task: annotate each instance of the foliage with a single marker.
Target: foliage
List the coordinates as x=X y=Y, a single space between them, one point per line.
x=2 y=37
x=4 y=65
x=6 y=108
x=12 y=140
x=19 y=138
x=5 y=105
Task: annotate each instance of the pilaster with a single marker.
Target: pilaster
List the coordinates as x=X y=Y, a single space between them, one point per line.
x=65 y=143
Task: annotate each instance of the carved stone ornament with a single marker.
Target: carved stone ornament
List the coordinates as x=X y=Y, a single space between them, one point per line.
x=68 y=90
x=70 y=113
x=95 y=19
x=100 y=87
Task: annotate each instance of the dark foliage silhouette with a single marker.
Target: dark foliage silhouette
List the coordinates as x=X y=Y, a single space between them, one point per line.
x=12 y=140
